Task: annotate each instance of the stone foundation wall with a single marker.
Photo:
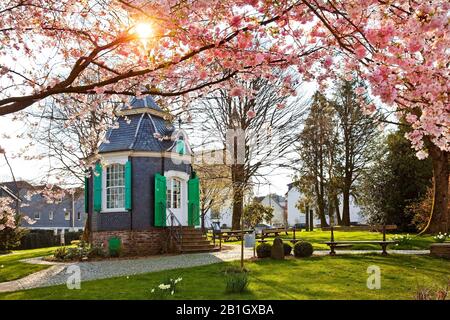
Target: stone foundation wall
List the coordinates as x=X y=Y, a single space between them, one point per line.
x=134 y=243
x=441 y=250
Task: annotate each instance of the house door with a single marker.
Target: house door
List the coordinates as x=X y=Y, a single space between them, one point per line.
x=174 y=198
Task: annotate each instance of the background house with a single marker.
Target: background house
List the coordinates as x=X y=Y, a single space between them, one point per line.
x=294 y=215
x=66 y=214
x=278 y=203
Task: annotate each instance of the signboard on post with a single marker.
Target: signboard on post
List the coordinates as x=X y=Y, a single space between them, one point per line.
x=249 y=240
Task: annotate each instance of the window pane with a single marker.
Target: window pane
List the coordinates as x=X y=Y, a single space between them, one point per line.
x=115 y=186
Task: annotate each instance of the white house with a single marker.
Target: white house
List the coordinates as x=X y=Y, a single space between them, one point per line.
x=278 y=203
x=295 y=216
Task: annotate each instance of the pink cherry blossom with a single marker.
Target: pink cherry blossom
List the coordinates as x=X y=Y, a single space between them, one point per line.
x=360 y=90
x=251 y=114
x=237 y=92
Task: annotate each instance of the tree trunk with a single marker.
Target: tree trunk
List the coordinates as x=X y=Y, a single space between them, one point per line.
x=439 y=219
x=238 y=207
x=346 y=206
x=338 y=214
x=311 y=220
x=307 y=218
x=321 y=207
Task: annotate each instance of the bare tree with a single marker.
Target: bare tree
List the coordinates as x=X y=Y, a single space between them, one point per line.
x=70 y=139
x=257 y=132
x=215 y=188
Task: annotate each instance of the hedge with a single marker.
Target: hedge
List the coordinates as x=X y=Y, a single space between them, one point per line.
x=46 y=238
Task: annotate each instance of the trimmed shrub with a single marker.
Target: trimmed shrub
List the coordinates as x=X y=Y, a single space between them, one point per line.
x=263 y=250
x=237 y=282
x=287 y=249
x=303 y=249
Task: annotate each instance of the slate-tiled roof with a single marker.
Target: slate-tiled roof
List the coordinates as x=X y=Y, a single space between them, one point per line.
x=146 y=102
x=137 y=131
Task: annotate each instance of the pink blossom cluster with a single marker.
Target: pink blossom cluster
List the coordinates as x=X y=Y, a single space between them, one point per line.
x=70 y=47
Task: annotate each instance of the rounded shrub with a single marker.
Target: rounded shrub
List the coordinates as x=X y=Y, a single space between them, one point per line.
x=263 y=250
x=287 y=248
x=303 y=249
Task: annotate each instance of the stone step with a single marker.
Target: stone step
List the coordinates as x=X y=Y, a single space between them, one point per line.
x=201 y=250
x=198 y=248
x=195 y=240
x=193 y=236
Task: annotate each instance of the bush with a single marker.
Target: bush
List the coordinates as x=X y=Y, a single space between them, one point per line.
x=303 y=249
x=96 y=252
x=441 y=237
x=403 y=240
x=287 y=248
x=263 y=250
x=237 y=282
x=60 y=253
x=82 y=252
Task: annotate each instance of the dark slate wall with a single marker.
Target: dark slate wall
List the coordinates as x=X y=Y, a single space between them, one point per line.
x=141 y=217
x=144 y=170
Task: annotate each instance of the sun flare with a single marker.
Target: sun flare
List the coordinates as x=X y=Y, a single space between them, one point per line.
x=143 y=30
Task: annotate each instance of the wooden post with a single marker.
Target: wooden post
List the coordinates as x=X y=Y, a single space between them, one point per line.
x=294 y=232
x=332 y=234
x=242 y=243
x=384 y=232
x=307 y=218
x=311 y=220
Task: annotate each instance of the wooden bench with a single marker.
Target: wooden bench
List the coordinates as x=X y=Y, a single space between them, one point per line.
x=341 y=244
x=275 y=232
x=227 y=235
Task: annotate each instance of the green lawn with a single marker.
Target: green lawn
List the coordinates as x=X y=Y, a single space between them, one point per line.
x=317 y=237
x=340 y=277
x=11 y=268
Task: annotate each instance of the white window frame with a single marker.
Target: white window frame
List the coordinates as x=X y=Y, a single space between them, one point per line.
x=108 y=161
x=67 y=215
x=183 y=177
x=79 y=215
x=170 y=202
x=38 y=215
x=51 y=215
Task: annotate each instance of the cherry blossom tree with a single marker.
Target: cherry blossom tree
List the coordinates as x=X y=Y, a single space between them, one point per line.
x=174 y=47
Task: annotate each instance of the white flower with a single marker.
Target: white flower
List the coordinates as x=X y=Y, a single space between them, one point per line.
x=172 y=292
x=153 y=290
x=163 y=286
x=178 y=280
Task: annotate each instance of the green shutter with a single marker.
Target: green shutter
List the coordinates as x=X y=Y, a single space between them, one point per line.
x=180 y=147
x=86 y=194
x=194 y=202
x=160 y=200
x=128 y=185
x=98 y=188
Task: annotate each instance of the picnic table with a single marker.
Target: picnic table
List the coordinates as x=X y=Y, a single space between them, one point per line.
x=276 y=232
x=348 y=243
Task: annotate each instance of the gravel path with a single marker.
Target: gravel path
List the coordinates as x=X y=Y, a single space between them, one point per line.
x=56 y=274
